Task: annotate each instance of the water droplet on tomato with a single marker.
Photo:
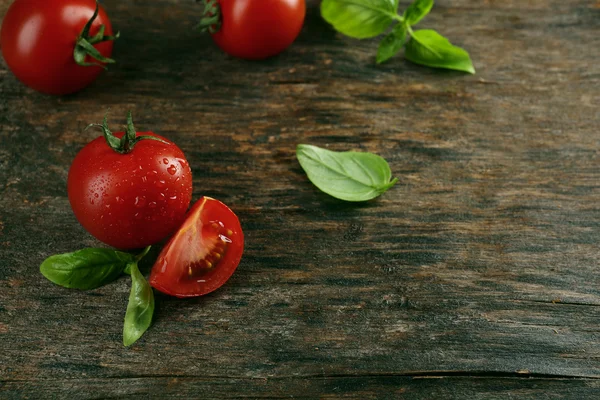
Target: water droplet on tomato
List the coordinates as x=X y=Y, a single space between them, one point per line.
x=140 y=201
x=160 y=183
x=225 y=239
x=172 y=169
x=96 y=195
x=137 y=216
x=165 y=161
x=144 y=179
x=120 y=200
x=172 y=198
x=91 y=201
x=152 y=204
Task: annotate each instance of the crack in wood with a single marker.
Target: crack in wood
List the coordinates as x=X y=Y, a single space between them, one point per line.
x=409 y=374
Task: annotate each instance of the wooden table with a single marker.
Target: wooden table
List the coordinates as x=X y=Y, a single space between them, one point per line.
x=475 y=277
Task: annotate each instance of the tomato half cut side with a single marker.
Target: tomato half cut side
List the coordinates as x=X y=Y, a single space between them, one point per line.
x=203 y=253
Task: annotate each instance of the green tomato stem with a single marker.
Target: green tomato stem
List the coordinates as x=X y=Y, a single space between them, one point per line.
x=211 y=19
x=84 y=45
x=128 y=140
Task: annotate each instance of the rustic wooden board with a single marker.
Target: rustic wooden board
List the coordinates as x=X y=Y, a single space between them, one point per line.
x=475 y=277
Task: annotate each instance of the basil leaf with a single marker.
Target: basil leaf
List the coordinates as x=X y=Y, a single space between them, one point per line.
x=417 y=10
x=359 y=18
x=427 y=47
x=350 y=176
x=391 y=43
x=137 y=258
x=85 y=269
x=140 y=307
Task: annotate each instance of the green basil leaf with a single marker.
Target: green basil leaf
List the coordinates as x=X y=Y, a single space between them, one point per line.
x=359 y=18
x=349 y=175
x=85 y=269
x=140 y=307
x=391 y=43
x=137 y=258
x=427 y=47
x=417 y=10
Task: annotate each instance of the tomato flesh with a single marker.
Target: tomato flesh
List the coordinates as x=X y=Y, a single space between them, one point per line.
x=203 y=254
x=257 y=29
x=38 y=39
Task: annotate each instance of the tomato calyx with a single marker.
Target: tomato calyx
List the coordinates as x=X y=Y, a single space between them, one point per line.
x=127 y=141
x=84 y=45
x=211 y=19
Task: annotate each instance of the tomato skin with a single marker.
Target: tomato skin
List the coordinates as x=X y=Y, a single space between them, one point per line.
x=38 y=39
x=131 y=200
x=191 y=243
x=258 y=29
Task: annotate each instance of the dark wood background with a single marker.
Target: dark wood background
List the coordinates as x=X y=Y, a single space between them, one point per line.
x=475 y=277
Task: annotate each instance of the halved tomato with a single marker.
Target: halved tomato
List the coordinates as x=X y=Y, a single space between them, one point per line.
x=203 y=253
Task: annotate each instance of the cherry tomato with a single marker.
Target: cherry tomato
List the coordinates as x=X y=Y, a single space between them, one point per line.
x=39 y=38
x=257 y=29
x=130 y=200
x=203 y=253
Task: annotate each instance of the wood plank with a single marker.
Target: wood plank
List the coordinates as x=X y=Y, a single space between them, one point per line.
x=479 y=267
x=346 y=387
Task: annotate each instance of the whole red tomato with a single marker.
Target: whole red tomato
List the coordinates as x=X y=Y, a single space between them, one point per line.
x=130 y=193
x=203 y=254
x=254 y=29
x=56 y=46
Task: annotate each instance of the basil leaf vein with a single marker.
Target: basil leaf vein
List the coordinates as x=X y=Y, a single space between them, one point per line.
x=350 y=175
x=140 y=308
x=85 y=269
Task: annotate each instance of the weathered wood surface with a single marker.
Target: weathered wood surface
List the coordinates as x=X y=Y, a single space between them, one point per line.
x=475 y=277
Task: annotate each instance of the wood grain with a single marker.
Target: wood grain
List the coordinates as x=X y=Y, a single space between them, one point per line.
x=475 y=277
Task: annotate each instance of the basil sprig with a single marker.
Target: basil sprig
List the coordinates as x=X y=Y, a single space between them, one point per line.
x=349 y=175
x=363 y=19
x=91 y=268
